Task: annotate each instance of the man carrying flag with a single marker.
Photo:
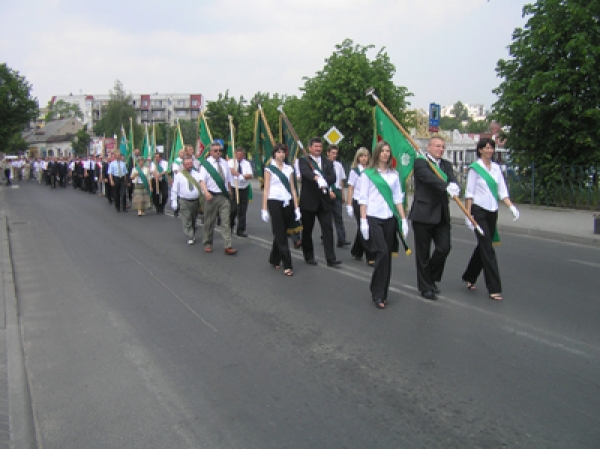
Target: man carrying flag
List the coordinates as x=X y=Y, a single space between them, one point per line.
x=160 y=183
x=242 y=171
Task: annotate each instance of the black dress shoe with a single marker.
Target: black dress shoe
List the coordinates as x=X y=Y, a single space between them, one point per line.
x=436 y=290
x=242 y=234
x=334 y=263
x=342 y=244
x=428 y=294
x=312 y=262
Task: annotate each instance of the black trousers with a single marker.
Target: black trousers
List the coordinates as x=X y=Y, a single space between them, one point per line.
x=308 y=223
x=280 y=216
x=359 y=247
x=160 y=195
x=381 y=242
x=239 y=210
x=108 y=191
x=430 y=267
x=120 y=192
x=484 y=256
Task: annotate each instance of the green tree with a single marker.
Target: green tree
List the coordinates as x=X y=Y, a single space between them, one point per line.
x=16 y=144
x=477 y=127
x=550 y=96
x=17 y=107
x=336 y=96
x=451 y=123
x=81 y=142
x=117 y=114
x=61 y=109
x=460 y=111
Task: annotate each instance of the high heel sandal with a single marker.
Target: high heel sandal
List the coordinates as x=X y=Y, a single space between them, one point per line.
x=288 y=272
x=470 y=286
x=496 y=296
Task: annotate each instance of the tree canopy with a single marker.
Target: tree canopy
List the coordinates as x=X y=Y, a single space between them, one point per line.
x=17 y=107
x=335 y=96
x=550 y=96
x=62 y=109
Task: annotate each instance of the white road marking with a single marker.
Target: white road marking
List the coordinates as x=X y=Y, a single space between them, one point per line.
x=583 y=262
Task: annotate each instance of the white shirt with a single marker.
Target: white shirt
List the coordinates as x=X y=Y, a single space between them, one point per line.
x=370 y=196
x=246 y=170
x=181 y=187
x=138 y=179
x=354 y=181
x=297 y=168
x=277 y=190
x=340 y=174
x=211 y=185
x=478 y=190
x=154 y=169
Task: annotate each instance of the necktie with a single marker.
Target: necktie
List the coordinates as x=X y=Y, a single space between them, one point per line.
x=220 y=170
x=119 y=172
x=240 y=168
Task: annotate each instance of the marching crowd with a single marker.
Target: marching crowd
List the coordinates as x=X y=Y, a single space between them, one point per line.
x=219 y=190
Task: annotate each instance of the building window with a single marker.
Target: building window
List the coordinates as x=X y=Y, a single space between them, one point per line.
x=144 y=114
x=158 y=103
x=194 y=102
x=157 y=114
x=194 y=114
x=181 y=113
x=180 y=102
x=144 y=103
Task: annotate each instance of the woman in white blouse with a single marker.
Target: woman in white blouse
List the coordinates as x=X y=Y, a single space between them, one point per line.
x=280 y=202
x=381 y=214
x=141 y=197
x=485 y=188
x=361 y=161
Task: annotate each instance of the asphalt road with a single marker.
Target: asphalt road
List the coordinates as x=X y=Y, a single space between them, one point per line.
x=133 y=339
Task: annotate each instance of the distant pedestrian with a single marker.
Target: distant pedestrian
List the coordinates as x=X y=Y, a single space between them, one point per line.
x=485 y=188
x=140 y=177
x=185 y=194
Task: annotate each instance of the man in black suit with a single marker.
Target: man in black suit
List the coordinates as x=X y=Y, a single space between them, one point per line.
x=317 y=177
x=430 y=215
x=52 y=172
x=63 y=169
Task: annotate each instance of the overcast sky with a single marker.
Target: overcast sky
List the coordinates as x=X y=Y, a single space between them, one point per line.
x=443 y=50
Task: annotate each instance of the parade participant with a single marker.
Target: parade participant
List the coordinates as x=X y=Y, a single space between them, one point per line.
x=63 y=170
x=430 y=215
x=337 y=195
x=52 y=172
x=38 y=170
x=160 y=183
x=280 y=202
x=215 y=182
x=381 y=216
x=140 y=176
x=317 y=175
x=176 y=167
x=485 y=187
x=79 y=171
x=105 y=178
x=44 y=166
x=117 y=173
x=185 y=192
x=361 y=161
x=241 y=171
x=7 y=167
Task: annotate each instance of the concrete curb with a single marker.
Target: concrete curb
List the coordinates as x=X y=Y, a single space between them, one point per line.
x=592 y=241
x=22 y=429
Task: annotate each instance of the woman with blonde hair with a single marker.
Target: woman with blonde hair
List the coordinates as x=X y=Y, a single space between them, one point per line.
x=362 y=158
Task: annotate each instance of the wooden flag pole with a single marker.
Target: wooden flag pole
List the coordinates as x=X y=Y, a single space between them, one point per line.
x=371 y=92
x=235 y=162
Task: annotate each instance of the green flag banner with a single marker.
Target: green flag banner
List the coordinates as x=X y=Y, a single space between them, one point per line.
x=204 y=137
x=286 y=136
x=262 y=144
x=176 y=147
x=403 y=153
x=146 y=144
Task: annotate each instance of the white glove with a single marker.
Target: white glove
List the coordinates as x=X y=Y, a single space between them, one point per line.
x=350 y=210
x=298 y=214
x=515 y=212
x=364 y=228
x=405 y=228
x=174 y=205
x=469 y=224
x=322 y=183
x=264 y=215
x=453 y=189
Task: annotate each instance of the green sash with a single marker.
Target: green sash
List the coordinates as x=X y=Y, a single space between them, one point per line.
x=435 y=168
x=493 y=186
x=386 y=192
x=286 y=182
x=190 y=179
x=142 y=176
x=215 y=176
x=160 y=170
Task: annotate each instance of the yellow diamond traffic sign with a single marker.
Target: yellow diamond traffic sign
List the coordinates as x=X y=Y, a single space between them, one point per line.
x=333 y=136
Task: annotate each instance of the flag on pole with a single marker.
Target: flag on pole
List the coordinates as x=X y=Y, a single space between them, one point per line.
x=177 y=146
x=286 y=136
x=130 y=142
x=263 y=143
x=146 y=144
x=231 y=143
x=152 y=149
x=403 y=153
x=123 y=144
x=204 y=137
